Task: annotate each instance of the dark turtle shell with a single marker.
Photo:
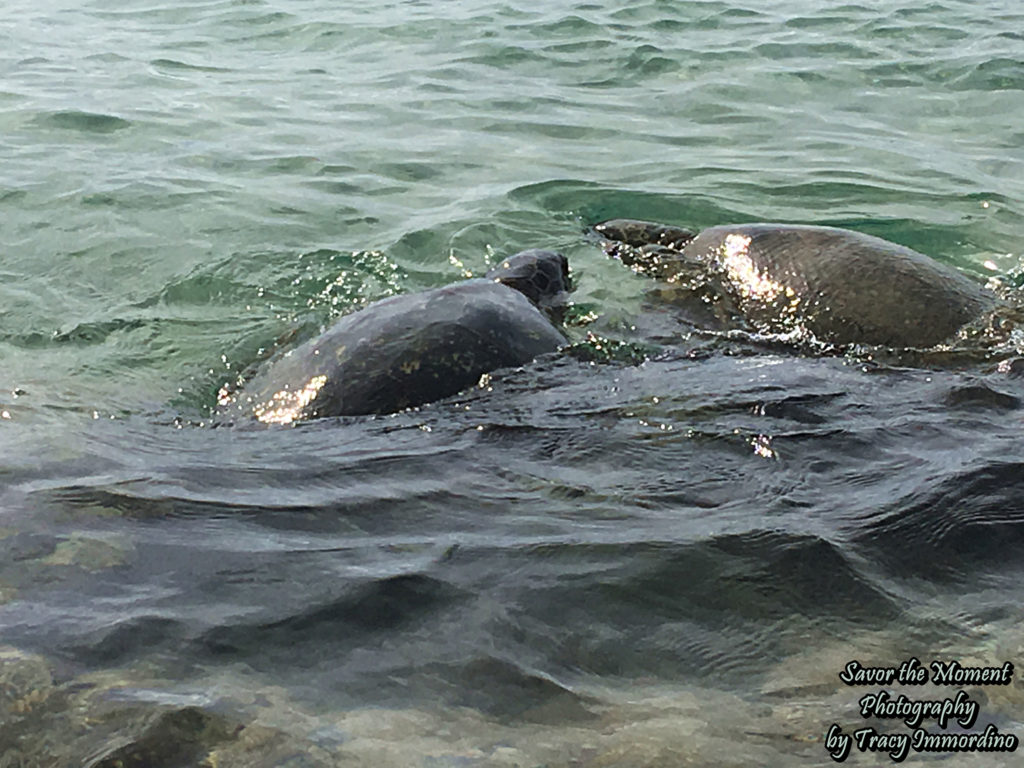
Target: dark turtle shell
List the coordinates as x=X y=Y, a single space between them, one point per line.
x=843 y=286
x=404 y=351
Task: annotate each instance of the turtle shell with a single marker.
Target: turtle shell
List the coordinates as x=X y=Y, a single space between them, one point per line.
x=401 y=352
x=844 y=286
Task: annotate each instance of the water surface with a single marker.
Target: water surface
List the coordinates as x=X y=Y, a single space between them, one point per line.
x=585 y=562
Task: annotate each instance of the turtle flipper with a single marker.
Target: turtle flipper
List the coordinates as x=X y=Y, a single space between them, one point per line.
x=638 y=233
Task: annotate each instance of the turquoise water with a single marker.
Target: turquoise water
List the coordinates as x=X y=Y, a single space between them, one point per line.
x=185 y=186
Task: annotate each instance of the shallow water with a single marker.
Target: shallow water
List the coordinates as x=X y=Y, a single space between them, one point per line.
x=587 y=563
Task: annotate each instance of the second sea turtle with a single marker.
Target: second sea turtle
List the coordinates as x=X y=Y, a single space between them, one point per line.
x=844 y=287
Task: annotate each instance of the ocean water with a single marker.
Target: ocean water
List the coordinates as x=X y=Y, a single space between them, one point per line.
x=590 y=561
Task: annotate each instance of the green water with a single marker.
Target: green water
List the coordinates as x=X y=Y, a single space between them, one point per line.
x=182 y=182
x=585 y=565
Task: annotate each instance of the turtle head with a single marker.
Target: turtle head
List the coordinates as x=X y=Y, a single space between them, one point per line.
x=541 y=276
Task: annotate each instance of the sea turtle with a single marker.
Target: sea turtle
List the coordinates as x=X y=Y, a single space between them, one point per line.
x=416 y=348
x=844 y=287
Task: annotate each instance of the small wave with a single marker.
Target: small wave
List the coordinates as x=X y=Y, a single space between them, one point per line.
x=386 y=605
x=128 y=639
x=972 y=518
x=86 y=122
x=999 y=74
x=174 y=64
x=507 y=690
